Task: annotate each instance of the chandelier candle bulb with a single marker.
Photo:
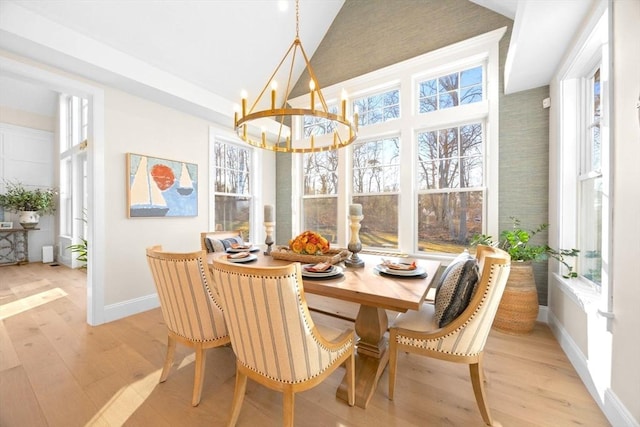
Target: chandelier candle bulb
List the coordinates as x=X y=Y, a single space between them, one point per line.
x=312 y=88
x=268 y=213
x=244 y=103
x=274 y=86
x=355 y=210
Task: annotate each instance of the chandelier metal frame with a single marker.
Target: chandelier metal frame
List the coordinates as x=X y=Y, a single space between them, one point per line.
x=283 y=142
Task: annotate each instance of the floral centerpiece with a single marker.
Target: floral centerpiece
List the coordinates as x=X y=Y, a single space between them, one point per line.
x=310 y=247
x=309 y=243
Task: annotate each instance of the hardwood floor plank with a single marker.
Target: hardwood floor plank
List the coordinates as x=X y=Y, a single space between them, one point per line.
x=8 y=356
x=15 y=388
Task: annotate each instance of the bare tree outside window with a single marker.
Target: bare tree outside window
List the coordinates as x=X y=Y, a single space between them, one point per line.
x=378 y=108
x=232 y=190
x=376 y=185
x=451 y=90
x=450 y=184
x=320 y=199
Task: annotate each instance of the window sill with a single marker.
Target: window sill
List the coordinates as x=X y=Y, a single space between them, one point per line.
x=585 y=295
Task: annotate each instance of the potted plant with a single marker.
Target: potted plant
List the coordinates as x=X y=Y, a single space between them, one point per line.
x=517 y=242
x=518 y=308
x=29 y=204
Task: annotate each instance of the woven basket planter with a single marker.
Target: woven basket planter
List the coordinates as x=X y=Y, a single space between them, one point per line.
x=518 y=309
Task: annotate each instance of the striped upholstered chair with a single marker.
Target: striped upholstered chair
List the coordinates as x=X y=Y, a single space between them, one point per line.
x=463 y=339
x=189 y=308
x=275 y=341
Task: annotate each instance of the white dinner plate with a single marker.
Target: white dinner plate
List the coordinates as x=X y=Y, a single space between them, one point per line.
x=236 y=250
x=383 y=269
x=333 y=271
x=251 y=257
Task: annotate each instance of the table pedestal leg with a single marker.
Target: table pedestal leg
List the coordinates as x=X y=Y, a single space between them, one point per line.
x=371 y=356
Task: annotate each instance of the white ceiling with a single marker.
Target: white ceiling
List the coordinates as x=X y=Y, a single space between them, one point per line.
x=193 y=52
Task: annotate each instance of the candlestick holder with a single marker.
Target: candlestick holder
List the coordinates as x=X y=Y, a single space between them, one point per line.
x=354 y=244
x=268 y=227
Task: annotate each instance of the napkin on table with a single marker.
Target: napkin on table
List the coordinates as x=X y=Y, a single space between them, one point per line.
x=238 y=255
x=318 y=268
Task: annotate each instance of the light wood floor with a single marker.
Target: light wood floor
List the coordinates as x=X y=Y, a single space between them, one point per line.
x=55 y=370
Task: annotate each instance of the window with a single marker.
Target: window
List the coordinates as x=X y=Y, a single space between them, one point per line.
x=232 y=189
x=590 y=186
x=320 y=199
x=376 y=186
x=451 y=90
x=425 y=158
x=450 y=187
x=377 y=108
x=583 y=209
x=73 y=202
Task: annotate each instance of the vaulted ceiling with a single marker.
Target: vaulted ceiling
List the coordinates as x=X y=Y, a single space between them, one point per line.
x=207 y=51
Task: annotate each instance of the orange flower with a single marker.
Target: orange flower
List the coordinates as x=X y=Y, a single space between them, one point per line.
x=309 y=242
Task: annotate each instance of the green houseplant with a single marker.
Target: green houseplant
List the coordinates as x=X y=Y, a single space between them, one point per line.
x=517 y=242
x=30 y=204
x=81 y=249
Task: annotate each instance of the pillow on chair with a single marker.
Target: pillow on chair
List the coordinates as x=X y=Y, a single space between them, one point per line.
x=455 y=288
x=221 y=245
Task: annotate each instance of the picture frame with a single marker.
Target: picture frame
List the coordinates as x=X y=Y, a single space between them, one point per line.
x=4 y=225
x=158 y=187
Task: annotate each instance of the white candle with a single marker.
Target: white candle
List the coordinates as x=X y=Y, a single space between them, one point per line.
x=355 y=210
x=268 y=213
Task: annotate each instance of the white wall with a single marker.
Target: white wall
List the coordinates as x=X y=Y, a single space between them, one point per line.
x=134 y=125
x=625 y=377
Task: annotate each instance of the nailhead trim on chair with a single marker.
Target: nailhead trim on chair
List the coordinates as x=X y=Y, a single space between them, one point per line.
x=427 y=344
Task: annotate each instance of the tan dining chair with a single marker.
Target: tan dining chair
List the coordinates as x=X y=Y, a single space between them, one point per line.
x=189 y=307
x=463 y=339
x=273 y=336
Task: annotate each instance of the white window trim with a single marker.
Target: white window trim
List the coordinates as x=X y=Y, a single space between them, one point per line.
x=482 y=48
x=592 y=49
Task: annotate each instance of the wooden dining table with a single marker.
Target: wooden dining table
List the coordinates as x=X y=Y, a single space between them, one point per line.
x=375 y=293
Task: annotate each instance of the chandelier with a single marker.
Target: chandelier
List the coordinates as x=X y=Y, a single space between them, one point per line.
x=338 y=131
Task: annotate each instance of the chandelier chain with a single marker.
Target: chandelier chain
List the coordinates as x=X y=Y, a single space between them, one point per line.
x=297 y=19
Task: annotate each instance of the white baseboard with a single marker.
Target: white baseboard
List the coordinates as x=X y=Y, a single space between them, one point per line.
x=615 y=411
x=543 y=315
x=128 y=308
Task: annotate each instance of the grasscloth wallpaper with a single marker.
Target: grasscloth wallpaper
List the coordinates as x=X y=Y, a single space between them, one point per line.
x=370 y=34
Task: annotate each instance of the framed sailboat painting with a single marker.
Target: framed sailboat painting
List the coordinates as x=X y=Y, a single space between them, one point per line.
x=160 y=187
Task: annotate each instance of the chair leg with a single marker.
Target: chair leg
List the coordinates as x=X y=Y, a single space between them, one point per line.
x=393 y=363
x=288 y=407
x=198 y=380
x=477 y=380
x=238 y=397
x=351 y=379
x=168 y=360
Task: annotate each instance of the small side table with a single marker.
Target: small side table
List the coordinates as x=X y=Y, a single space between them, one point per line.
x=14 y=246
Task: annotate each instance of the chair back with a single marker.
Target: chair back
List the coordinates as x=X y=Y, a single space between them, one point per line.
x=467 y=334
x=271 y=330
x=214 y=241
x=187 y=299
